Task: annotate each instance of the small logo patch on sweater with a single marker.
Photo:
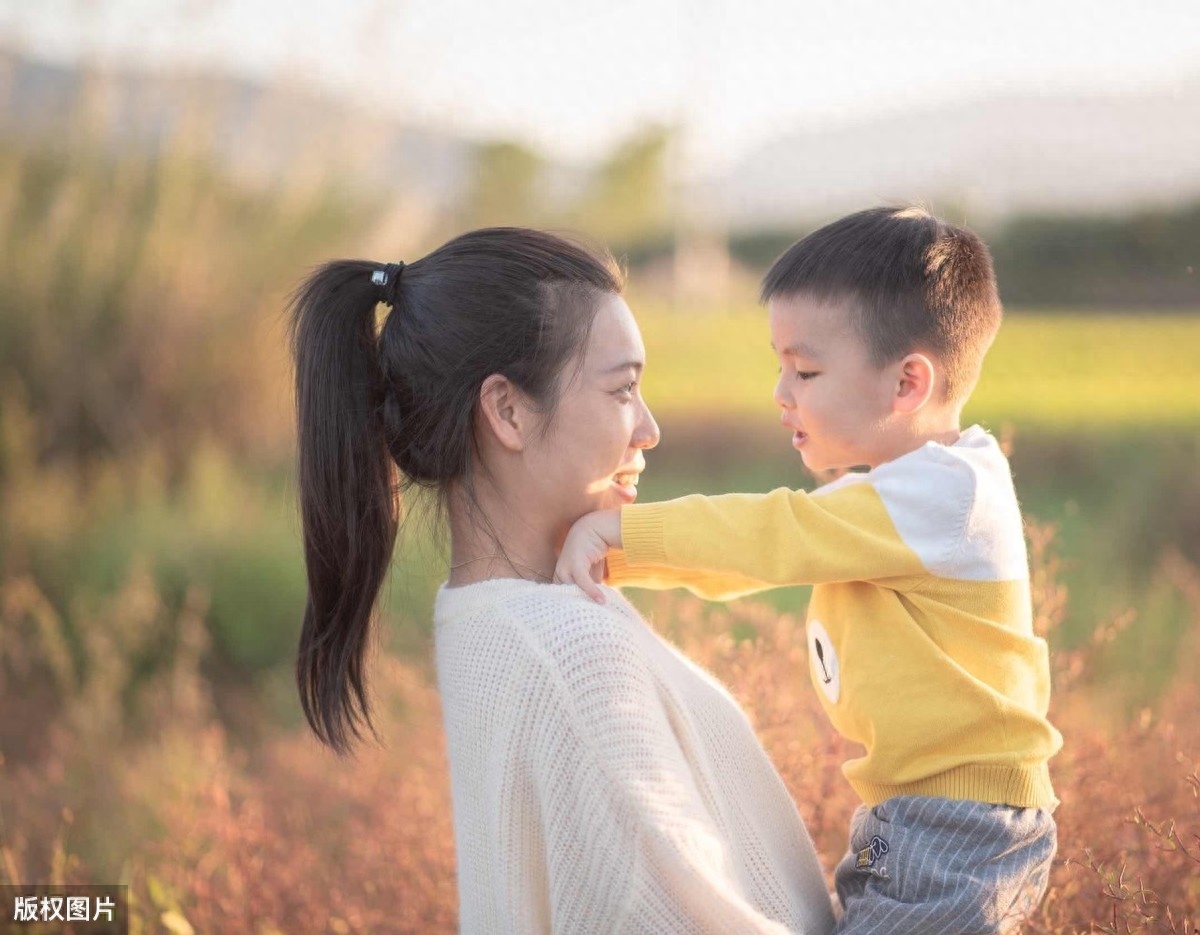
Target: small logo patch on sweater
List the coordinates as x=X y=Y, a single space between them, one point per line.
x=824 y=660
x=867 y=857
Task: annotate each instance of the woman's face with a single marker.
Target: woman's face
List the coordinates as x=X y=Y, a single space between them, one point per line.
x=591 y=455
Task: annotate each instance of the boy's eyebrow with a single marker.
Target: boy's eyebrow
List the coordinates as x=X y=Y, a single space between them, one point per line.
x=799 y=349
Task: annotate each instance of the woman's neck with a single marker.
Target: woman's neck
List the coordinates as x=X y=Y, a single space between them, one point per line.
x=487 y=541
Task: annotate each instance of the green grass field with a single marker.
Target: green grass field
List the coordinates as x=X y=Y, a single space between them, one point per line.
x=1046 y=371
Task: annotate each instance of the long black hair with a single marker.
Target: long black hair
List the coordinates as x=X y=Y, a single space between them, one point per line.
x=371 y=400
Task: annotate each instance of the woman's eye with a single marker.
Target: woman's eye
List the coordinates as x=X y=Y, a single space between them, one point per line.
x=627 y=389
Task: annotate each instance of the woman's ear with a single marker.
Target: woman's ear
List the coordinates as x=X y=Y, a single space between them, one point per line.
x=915 y=383
x=505 y=412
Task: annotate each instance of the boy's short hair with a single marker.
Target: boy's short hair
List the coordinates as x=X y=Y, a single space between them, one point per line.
x=912 y=282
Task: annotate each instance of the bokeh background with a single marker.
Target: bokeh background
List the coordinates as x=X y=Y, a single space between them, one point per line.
x=169 y=170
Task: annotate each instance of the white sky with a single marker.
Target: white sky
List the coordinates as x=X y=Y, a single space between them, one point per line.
x=573 y=77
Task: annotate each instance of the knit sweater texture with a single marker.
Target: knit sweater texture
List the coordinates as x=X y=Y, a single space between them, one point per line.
x=920 y=636
x=602 y=782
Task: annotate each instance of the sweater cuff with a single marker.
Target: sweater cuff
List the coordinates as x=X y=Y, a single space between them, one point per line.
x=642 y=533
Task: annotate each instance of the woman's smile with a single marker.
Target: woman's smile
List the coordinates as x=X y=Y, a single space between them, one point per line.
x=625 y=485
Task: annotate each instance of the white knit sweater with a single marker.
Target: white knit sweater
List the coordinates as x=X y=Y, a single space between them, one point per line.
x=604 y=783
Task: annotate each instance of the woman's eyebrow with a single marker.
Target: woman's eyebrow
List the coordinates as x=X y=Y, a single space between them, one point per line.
x=637 y=365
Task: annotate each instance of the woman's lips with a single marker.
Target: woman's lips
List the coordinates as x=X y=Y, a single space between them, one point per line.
x=626 y=486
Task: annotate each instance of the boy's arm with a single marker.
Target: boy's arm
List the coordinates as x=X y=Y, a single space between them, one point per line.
x=592 y=552
x=743 y=542
x=710 y=585
x=905 y=519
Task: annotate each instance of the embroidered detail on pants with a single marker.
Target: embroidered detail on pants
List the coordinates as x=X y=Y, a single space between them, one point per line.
x=866 y=858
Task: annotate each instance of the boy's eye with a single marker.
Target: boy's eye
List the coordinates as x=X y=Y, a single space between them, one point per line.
x=806 y=374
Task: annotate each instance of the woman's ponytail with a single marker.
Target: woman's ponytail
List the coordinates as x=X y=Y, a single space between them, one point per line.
x=380 y=411
x=347 y=486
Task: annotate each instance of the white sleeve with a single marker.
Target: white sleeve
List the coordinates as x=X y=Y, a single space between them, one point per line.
x=631 y=845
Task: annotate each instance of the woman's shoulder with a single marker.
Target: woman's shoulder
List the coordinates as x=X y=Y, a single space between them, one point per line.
x=556 y=623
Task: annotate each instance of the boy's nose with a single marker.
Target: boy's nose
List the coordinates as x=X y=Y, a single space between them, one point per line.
x=782 y=400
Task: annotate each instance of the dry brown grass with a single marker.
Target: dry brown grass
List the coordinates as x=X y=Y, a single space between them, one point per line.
x=280 y=837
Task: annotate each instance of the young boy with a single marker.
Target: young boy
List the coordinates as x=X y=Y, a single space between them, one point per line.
x=920 y=624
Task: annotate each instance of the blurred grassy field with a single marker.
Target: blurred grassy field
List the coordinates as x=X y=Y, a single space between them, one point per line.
x=1047 y=371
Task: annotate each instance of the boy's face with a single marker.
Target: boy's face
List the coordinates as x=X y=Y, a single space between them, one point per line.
x=834 y=399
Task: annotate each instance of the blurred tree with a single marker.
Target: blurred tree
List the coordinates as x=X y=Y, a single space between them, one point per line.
x=1142 y=260
x=758 y=249
x=628 y=202
x=142 y=296
x=505 y=186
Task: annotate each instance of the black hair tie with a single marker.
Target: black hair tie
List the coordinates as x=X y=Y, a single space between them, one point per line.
x=387 y=281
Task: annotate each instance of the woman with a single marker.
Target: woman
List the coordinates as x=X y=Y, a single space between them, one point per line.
x=601 y=782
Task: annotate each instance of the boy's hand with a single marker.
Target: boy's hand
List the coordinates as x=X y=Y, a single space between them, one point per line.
x=584 y=550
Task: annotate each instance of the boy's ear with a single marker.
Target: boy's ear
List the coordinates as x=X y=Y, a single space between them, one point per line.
x=914 y=383
x=504 y=412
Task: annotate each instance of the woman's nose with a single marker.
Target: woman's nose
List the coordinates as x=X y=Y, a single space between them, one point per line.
x=646 y=435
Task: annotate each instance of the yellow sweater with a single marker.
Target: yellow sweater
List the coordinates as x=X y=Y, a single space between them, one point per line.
x=919 y=629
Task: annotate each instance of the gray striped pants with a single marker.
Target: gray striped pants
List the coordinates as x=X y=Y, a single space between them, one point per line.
x=930 y=866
